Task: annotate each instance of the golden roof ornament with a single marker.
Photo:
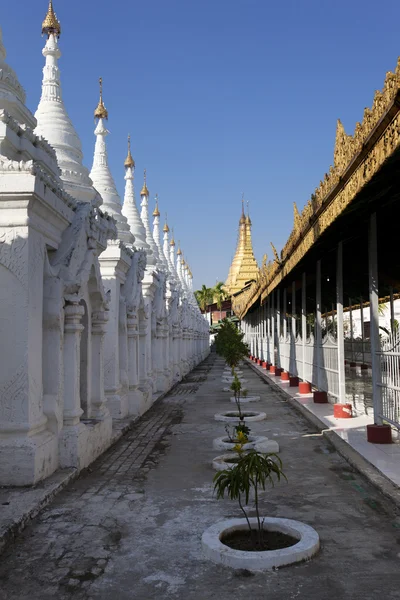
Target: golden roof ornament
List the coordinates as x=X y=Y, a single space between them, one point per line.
x=156 y=212
x=172 y=242
x=129 y=162
x=51 y=25
x=242 y=218
x=276 y=255
x=179 y=249
x=166 y=228
x=248 y=220
x=145 y=191
x=101 y=112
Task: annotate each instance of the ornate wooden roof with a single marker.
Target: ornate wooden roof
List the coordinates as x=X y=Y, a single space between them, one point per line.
x=357 y=158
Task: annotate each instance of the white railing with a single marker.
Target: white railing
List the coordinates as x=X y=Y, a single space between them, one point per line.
x=328 y=380
x=284 y=346
x=390 y=378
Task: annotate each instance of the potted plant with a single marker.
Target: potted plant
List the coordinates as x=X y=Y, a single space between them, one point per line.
x=255 y=543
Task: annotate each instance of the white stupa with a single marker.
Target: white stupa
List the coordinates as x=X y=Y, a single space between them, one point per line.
x=54 y=124
x=101 y=174
x=166 y=250
x=172 y=261
x=153 y=258
x=163 y=265
x=129 y=208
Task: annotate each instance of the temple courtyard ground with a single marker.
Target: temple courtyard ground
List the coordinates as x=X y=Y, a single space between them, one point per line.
x=130 y=527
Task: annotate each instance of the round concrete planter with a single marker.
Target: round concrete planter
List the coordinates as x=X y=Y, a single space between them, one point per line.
x=219 y=463
x=215 y=550
x=223 y=443
x=245 y=399
x=232 y=416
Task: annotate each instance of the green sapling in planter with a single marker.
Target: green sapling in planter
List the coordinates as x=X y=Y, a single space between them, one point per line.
x=251 y=473
x=236 y=387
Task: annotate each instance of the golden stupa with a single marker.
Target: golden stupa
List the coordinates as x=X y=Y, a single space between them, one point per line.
x=244 y=266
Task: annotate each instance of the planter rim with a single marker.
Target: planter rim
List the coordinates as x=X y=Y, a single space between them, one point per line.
x=218 y=552
x=223 y=443
x=258 y=416
x=246 y=399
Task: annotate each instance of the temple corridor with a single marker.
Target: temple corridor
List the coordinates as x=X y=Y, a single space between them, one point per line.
x=131 y=525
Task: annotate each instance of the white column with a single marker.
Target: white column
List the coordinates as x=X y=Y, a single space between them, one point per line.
x=293 y=366
x=303 y=323
x=362 y=329
x=284 y=313
x=98 y=402
x=340 y=330
x=374 y=318
x=135 y=395
x=318 y=325
x=278 y=327
x=72 y=353
x=273 y=316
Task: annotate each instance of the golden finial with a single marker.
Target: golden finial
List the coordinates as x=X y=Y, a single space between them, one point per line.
x=145 y=191
x=183 y=262
x=129 y=162
x=248 y=220
x=172 y=242
x=242 y=218
x=156 y=212
x=166 y=228
x=276 y=256
x=179 y=249
x=51 y=24
x=101 y=112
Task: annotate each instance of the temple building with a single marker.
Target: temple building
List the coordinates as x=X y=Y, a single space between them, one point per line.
x=244 y=265
x=101 y=325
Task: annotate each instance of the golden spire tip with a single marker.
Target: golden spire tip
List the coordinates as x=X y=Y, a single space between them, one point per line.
x=166 y=228
x=129 y=162
x=101 y=112
x=242 y=218
x=51 y=25
x=145 y=191
x=156 y=212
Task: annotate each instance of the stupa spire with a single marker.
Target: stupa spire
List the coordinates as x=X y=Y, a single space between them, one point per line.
x=244 y=266
x=172 y=257
x=54 y=124
x=129 y=208
x=153 y=259
x=101 y=175
x=51 y=25
x=166 y=249
x=157 y=237
x=100 y=111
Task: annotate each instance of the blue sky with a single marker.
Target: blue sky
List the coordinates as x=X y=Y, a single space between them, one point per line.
x=220 y=97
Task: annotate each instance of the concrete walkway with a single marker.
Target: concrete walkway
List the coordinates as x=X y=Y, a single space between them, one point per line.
x=131 y=528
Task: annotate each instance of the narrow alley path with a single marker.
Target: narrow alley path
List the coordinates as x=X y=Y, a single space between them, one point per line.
x=130 y=527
